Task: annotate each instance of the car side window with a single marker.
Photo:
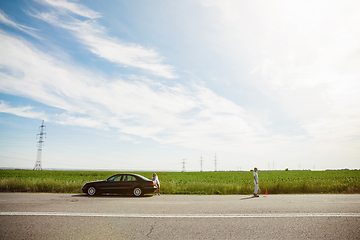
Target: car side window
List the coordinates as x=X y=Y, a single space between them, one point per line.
x=129 y=178
x=132 y=178
x=115 y=179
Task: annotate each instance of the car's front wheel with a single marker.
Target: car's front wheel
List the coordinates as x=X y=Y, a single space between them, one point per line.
x=91 y=191
x=137 y=192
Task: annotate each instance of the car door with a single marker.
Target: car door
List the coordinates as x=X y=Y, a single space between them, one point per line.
x=113 y=184
x=128 y=183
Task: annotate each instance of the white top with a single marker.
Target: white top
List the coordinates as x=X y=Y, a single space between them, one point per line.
x=156 y=180
x=256 y=176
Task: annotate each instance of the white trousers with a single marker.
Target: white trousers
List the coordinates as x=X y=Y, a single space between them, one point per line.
x=256 y=187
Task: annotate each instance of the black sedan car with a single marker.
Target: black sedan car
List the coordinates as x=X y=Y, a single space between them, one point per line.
x=125 y=183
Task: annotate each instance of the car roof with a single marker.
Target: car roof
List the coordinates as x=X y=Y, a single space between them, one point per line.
x=133 y=174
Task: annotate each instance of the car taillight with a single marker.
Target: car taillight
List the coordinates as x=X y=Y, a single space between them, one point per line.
x=152 y=184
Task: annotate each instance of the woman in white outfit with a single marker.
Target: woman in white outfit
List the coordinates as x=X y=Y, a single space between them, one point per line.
x=256 y=182
x=157 y=182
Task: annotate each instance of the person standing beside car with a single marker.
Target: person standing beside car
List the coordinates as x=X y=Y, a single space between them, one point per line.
x=256 y=182
x=157 y=183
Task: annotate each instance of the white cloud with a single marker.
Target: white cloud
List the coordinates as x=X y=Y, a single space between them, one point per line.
x=5 y=20
x=26 y=111
x=66 y=119
x=305 y=57
x=72 y=7
x=94 y=36
x=192 y=117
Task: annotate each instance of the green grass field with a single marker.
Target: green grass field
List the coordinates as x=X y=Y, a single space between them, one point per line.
x=276 y=182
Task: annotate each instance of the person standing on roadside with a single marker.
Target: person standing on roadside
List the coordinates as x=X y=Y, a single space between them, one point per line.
x=157 y=183
x=256 y=182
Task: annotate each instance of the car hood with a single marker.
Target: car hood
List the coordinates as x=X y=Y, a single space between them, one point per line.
x=101 y=181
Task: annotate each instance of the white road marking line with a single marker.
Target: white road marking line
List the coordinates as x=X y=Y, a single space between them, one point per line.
x=270 y=215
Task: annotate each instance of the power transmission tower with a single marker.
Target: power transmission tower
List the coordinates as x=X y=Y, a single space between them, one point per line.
x=40 y=145
x=201 y=163
x=215 y=164
x=183 y=167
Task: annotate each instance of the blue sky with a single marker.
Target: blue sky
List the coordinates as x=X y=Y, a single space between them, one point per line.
x=143 y=85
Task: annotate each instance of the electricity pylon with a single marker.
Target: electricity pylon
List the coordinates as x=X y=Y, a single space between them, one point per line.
x=41 y=135
x=183 y=166
x=215 y=164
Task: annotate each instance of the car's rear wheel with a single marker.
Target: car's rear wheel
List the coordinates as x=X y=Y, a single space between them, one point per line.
x=91 y=191
x=137 y=192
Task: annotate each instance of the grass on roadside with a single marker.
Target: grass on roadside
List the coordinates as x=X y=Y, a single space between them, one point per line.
x=276 y=182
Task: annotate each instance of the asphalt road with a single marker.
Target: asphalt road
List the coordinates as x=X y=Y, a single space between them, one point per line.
x=72 y=216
